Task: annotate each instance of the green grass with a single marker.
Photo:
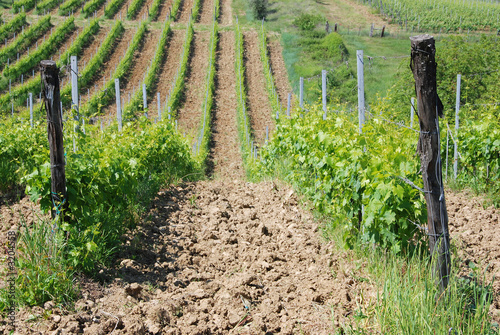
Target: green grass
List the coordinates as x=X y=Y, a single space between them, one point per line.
x=6 y=3
x=379 y=73
x=44 y=272
x=407 y=298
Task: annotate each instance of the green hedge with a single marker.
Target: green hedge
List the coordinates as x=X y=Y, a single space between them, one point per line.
x=7 y=30
x=23 y=41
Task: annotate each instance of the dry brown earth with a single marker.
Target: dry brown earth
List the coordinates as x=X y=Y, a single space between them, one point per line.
x=259 y=110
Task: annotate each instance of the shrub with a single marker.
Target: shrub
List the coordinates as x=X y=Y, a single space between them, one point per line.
x=307 y=22
x=259 y=8
x=335 y=47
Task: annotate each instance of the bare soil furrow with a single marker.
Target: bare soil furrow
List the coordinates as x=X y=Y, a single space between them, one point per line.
x=165 y=6
x=122 y=12
x=258 y=104
x=225 y=156
x=185 y=11
x=108 y=68
x=279 y=70
x=144 y=10
x=90 y=50
x=169 y=69
x=474 y=230
x=219 y=257
x=141 y=62
x=226 y=13
x=190 y=114
x=206 y=12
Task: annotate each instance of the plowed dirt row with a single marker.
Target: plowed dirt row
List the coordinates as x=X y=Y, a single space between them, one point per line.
x=185 y=11
x=226 y=13
x=190 y=114
x=144 y=10
x=108 y=68
x=279 y=70
x=259 y=110
x=142 y=60
x=169 y=69
x=90 y=50
x=225 y=156
x=475 y=231
x=122 y=12
x=217 y=257
x=206 y=12
x=164 y=8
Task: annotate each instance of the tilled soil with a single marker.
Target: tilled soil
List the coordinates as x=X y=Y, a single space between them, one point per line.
x=144 y=12
x=169 y=68
x=142 y=60
x=226 y=13
x=184 y=11
x=90 y=50
x=218 y=257
x=107 y=70
x=259 y=110
x=190 y=114
x=164 y=8
x=278 y=67
x=475 y=231
x=206 y=12
x=225 y=157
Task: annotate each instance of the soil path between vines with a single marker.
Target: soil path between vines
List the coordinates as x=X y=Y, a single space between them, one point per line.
x=225 y=157
x=259 y=109
x=191 y=113
x=169 y=69
x=135 y=77
x=206 y=12
x=117 y=52
x=164 y=8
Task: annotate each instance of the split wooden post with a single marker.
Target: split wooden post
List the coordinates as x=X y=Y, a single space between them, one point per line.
x=51 y=97
x=429 y=106
x=412 y=112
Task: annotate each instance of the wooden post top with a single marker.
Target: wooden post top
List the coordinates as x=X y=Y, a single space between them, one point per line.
x=421 y=38
x=48 y=63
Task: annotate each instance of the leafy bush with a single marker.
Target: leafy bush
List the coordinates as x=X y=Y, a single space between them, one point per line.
x=335 y=47
x=9 y=28
x=307 y=22
x=355 y=178
x=259 y=8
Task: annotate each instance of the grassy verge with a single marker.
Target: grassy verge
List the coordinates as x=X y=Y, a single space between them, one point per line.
x=407 y=300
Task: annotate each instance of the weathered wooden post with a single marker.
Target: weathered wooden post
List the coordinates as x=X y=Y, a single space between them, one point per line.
x=51 y=96
x=429 y=107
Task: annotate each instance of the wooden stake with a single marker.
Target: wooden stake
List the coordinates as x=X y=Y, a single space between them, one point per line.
x=429 y=107
x=51 y=97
